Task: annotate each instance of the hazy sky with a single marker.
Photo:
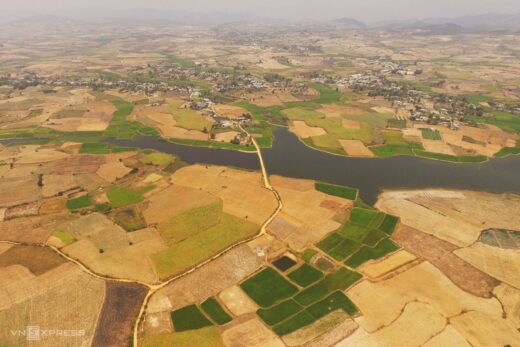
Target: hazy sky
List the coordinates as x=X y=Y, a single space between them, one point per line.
x=366 y=10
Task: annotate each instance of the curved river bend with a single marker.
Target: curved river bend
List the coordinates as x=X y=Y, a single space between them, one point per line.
x=290 y=157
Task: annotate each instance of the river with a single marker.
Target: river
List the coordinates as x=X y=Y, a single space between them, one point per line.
x=290 y=157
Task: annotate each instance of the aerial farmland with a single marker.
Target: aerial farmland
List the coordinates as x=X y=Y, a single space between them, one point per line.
x=213 y=182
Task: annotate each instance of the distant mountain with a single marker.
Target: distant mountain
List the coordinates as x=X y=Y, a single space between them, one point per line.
x=491 y=21
x=349 y=23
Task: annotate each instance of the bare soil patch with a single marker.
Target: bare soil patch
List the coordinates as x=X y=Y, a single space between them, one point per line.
x=229 y=111
x=16 y=191
x=37 y=259
x=31 y=229
x=119 y=312
x=56 y=184
x=440 y=254
x=225 y=136
x=350 y=124
x=79 y=164
x=53 y=206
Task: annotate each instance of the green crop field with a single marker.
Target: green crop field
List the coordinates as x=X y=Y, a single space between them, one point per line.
x=279 y=312
x=103 y=208
x=79 y=203
x=157 y=158
x=335 y=190
x=189 y=318
x=334 y=301
x=330 y=242
x=308 y=254
x=393 y=150
x=389 y=224
x=430 y=134
x=212 y=144
x=343 y=249
x=213 y=309
x=122 y=196
x=447 y=157
x=187 y=253
x=102 y=148
x=268 y=287
x=373 y=237
x=396 y=123
x=339 y=280
x=187 y=118
x=365 y=227
x=68 y=113
x=366 y=218
x=366 y=253
x=294 y=323
x=305 y=275
x=353 y=232
x=187 y=224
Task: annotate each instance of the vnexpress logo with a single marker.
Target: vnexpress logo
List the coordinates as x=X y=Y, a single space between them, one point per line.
x=35 y=333
x=32 y=333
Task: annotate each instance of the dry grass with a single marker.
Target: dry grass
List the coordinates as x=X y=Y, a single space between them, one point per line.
x=251 y=333
x=307 y=215
x=160 y=207
x=435 y=218
x=31 y=229
x=15 y=191
x=55 y=184
x=499 y=263
x=242 y=192
x=229 y=111
x=355 y=148
x=237 y=301
x=37 y=259
x=421 y=318
x=323 y=326
x=62 y=298
x=79 y=164
x=113 y=171
x=378 y=268
x=225 y=136
x=440 y=254
x=382 y=302
x=304 y=131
